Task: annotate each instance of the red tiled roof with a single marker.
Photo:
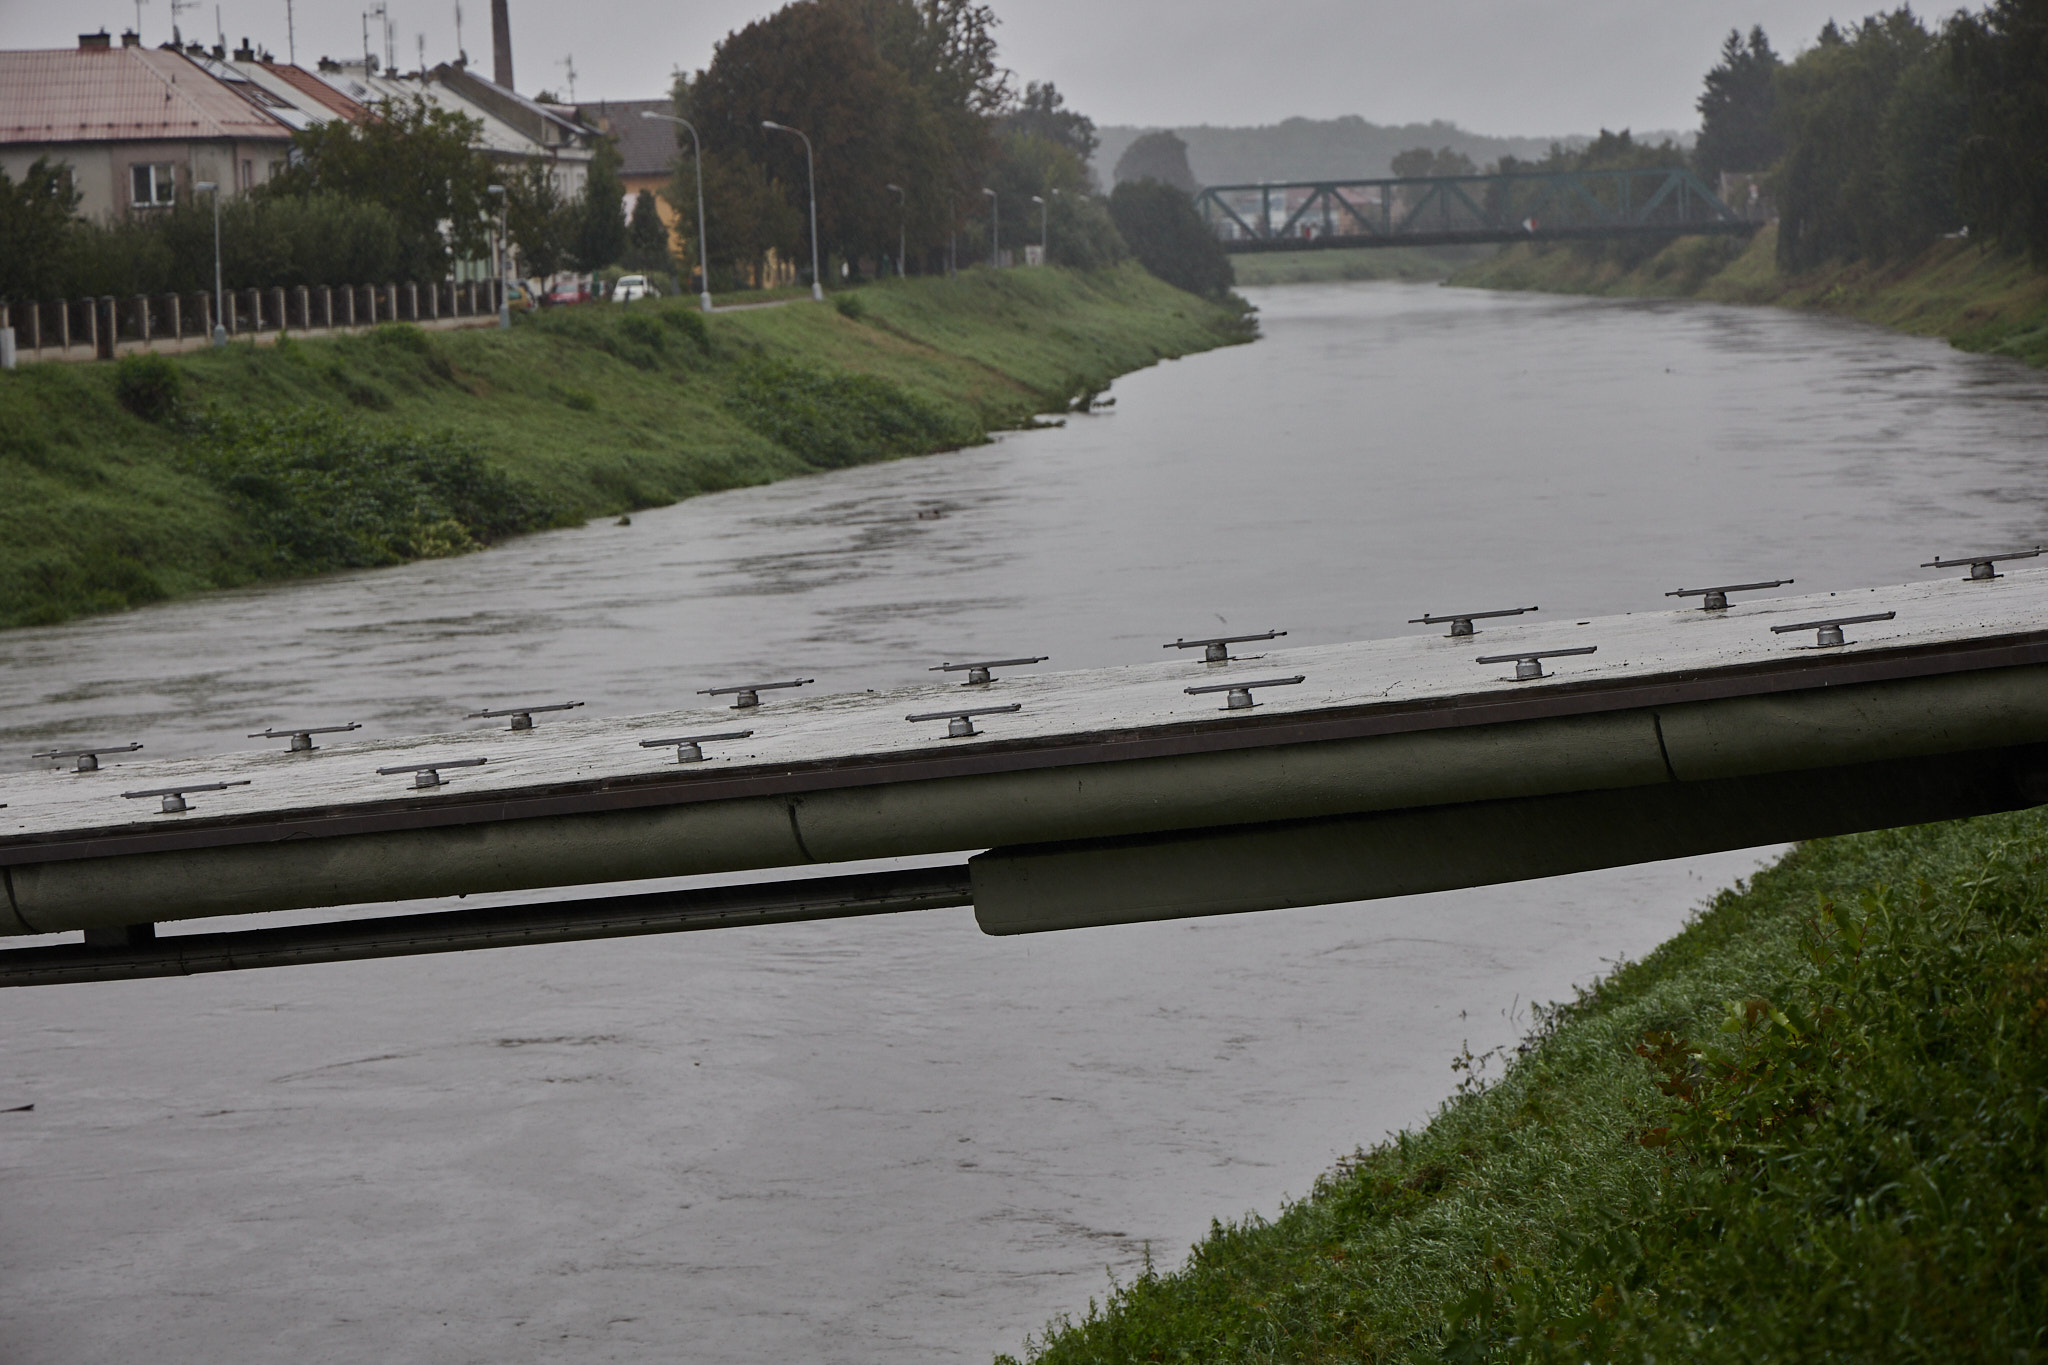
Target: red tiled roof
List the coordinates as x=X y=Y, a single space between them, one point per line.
x=120 y=94
x=312 y=86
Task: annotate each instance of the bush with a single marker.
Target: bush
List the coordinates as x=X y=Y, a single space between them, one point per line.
x=1163 y=231
x=326 y=492
x=834 y=420
x=149 y=386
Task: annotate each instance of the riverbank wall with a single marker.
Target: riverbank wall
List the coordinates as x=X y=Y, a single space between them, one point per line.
x=1977 y=297
x=1809 y=1127
x=158 y=476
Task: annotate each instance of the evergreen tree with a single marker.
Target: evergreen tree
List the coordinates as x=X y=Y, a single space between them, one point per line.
x=36 y=217
x=1737 y=109
x=1169 y=238
x=601 y=218
x=647 y=235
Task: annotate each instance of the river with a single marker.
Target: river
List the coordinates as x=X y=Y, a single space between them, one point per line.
x=899 y=1140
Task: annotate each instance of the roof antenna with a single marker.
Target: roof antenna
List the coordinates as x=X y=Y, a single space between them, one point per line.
x=138 y=19
x=569 y=74
x=220 y=32
x=291 y=37
x=460 y=51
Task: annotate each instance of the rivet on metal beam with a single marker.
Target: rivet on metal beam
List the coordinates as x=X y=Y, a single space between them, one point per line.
x=88 y=759
x=749 y=696
x=1461 y=621
x=174 y=797
x=1216 y=650
x=1240 y=697
x=522 y=716
x=1830 y=631
x=1717 y=598
x=960 y=724
x=302 y=738
x=1980 y=565
x=977 y=674
x=428 y=775
x=1530 y=665
x=687 y=746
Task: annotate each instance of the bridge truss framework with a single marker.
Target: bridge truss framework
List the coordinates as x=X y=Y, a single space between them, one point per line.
x=1307 y=215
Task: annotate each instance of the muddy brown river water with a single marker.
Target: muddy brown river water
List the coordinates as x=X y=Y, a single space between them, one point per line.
x=899 y=1140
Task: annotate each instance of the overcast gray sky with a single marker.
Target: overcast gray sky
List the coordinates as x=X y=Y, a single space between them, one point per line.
x=1534 y=67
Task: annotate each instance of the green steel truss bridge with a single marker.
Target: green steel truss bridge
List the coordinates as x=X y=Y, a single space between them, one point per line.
x=1308 y=215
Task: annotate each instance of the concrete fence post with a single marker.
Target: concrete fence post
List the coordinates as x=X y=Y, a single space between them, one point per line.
x=277 y=308
x=412 y=300
x=6 y=348
x=142 y=328
x=64 y=327
x=327 y=306
x=35 y=328
x=176 y=317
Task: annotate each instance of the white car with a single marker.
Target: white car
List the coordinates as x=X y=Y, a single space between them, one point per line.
x=632 y=287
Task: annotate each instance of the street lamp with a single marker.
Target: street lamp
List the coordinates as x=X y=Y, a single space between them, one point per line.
x=995 y=229
x=504 y=261
x=697 y=154
x=220 y=331
x=1043 y=257
x=810 y=171
x=902 y=228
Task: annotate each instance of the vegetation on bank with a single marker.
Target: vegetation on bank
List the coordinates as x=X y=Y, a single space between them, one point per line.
x=1810 y=1127
x=1342 y=264
x=160 y=476
x=1980 y=298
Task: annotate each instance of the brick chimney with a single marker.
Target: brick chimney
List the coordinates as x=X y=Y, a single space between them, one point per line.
x=501 y=43
x=130 y=38
x=100 y=42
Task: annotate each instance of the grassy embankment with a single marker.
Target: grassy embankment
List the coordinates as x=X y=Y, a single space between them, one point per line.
x=1339 y=264
x=122 y=484
x=1811 y=1127
x=1977 y=297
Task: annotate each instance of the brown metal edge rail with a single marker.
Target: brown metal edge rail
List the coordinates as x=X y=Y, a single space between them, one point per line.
x=657 y=912
x=1352 y=722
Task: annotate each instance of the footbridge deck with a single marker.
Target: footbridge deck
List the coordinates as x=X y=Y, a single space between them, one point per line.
x=1100 y=796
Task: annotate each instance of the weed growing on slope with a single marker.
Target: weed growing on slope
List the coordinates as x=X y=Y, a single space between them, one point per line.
x=323 y=491
x=832 y=420
x=1811 y=1127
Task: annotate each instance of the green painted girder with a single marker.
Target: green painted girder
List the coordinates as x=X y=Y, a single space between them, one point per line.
x=1421 y=210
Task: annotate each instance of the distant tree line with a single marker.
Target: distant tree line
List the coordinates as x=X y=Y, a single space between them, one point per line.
x=1886 y=135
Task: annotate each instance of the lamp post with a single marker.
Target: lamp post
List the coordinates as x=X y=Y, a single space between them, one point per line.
x=1043 y=257
x=697 y=155
x=220 y=331
x=810 y=172
x=504 y=262
x=995 y=230
x=902 y=227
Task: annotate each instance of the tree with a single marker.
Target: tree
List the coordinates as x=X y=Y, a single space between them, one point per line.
x=36 y=217
x=1737 y=109
x=1169 y=238
x=601 y=219
x=541 y=223
x=1423 y=162
x=418 y=161
x=2000 y=63
x=1043 y=113
x=1157 y=156
x=647 y=235
x=1868 y=133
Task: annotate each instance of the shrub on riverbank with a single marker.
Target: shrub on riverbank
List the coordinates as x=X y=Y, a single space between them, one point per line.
x=1810 y=1127
x=580 y=412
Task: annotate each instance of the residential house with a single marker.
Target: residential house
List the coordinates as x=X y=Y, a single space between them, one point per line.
x=135 y=126
x=649 y=155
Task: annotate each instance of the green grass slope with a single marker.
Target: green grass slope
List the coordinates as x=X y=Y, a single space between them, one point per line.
x=314 y=454
x=1811 y=1127
x=1980 y=298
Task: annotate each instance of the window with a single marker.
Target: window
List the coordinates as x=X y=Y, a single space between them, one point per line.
x=154 y=183
x=248 y=175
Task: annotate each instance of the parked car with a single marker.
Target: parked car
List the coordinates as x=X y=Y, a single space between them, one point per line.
x=632 y=287
x=570 y=291
x=519 y=294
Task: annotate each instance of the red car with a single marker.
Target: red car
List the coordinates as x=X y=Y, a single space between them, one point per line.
x=575 y=291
